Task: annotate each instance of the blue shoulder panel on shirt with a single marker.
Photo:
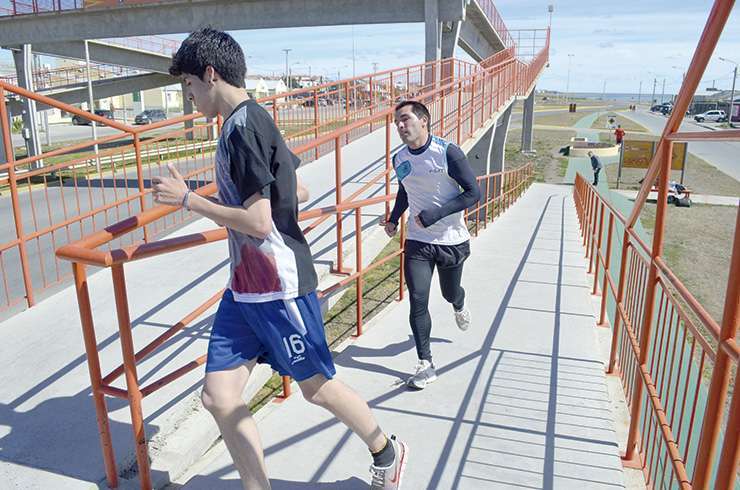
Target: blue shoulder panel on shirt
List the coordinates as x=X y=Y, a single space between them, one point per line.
x=403 y=169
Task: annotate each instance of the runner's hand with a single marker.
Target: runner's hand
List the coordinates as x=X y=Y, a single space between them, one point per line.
x=390 y=228
x=169 y=190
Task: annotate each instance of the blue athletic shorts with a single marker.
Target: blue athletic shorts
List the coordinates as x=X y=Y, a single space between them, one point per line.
x=287 y=334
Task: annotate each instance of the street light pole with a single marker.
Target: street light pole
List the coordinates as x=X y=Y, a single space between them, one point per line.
x=652 y=99
x=662 y=94
x=732 y=92
x=567 y=81
x=287 y=79
x=639 y=93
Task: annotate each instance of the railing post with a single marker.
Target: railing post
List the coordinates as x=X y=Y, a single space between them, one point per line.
x=14 y=200
x=93 y=367
x=132 y=380
x=607 y=264
x=346 y=110
x=598 y=249
x=371 y=96
x=388 y=121
x=316 y=120
x=286 y=387
x=140 y=179
x=339 y=269
x=358 y=266
x=729 y=457
x=402 y=240
x=719 y=386
x=472 y=106
x=651 y=286
x=459 y=111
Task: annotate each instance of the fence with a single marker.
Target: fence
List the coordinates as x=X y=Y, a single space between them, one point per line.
x=664 y=344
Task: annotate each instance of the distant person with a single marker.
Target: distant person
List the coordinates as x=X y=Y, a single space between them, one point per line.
x=270 y=311
x=619 y=134
x=596 y=166
x=436 y=184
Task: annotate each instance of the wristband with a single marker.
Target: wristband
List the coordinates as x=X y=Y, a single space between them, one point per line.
x=186 y=200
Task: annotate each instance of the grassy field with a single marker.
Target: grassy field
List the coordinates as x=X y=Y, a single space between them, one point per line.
x=627 y=124
x=698 y=245
x=563 y=119
x=549 y=164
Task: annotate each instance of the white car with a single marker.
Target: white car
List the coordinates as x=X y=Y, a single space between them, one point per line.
x=713 y=116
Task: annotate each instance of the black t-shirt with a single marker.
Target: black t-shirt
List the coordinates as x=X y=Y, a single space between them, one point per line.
x=252 y=157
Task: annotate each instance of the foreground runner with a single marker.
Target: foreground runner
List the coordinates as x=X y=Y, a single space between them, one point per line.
x=270 y=312
x=430 y=173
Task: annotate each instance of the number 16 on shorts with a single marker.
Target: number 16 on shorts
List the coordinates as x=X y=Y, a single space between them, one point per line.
x=295 y=348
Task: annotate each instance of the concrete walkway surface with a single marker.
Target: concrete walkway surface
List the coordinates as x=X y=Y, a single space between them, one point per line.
x=521 y=400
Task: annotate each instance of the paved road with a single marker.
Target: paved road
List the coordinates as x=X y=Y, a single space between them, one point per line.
x=720 y=154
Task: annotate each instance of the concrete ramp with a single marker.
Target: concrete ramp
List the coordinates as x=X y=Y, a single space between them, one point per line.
x=521 y=400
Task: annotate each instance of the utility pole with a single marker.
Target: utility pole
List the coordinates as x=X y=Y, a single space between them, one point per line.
x=603 y=92
x=353 y=52
x=639 y=93
x=662 y=94
x=732 y=98
x=567 y=82
x=732 y=92
x=652 y=99
x=375 y=66
x=287 y=79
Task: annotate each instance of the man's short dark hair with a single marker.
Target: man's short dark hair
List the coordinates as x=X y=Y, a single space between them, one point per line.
x=417 y=108
x=209 y=47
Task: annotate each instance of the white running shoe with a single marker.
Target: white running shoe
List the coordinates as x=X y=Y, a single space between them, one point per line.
x=423 y=376
x=462 y=318
x=389 y=477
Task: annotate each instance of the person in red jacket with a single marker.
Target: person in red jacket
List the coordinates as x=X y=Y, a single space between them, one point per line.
x=619 y=134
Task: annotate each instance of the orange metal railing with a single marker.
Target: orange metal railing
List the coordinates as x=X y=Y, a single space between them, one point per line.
x=665 y=345
x=477 y=96
x=69 y=192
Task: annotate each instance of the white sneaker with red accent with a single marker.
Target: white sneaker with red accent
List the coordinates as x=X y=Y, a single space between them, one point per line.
x=389 y=477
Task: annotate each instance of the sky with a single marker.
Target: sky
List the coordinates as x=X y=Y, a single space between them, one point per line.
x=620 y=43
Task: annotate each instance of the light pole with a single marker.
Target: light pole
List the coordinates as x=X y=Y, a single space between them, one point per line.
x=567 y=81
x=732 y=92
x=287 y=80
x=639 y=93
x=353 y=52
x=662 y=94
x=550 y=9
x=652 y=99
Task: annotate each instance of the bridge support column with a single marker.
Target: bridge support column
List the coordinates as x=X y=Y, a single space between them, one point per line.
x=450 y=37
x=433 y=41
x=23 y=59
x=479 y=158
x=528 y=124
x=187 y=109
x=498 y=153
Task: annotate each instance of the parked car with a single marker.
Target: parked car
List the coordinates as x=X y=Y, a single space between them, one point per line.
x=711 y=116
x=149 y=116
x=661 y=107
x=78 y=120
